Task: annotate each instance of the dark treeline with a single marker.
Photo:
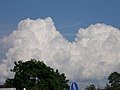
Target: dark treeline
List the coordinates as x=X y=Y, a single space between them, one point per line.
x=114 y=83
x=35 y=75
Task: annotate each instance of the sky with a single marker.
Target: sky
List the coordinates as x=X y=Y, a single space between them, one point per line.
x=76 y=37
x=68 y=15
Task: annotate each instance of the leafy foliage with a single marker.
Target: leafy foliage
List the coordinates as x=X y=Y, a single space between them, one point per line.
x=35 y=75
x=114 y=80
x=91 y=87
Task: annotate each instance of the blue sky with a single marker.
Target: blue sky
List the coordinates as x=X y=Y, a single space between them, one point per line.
x=68 y=15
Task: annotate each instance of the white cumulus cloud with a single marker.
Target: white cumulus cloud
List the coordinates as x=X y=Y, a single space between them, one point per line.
x=93 y=55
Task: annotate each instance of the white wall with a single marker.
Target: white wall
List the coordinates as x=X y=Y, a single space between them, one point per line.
x=7 y=89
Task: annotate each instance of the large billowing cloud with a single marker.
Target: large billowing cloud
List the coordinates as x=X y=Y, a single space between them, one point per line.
x=92 y=56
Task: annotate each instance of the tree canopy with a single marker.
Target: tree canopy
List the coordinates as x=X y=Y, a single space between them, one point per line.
x=91 y=87
x=114 y=80
x=35 y=75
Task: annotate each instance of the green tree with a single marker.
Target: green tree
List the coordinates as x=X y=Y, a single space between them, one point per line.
x=91 y=87
x=35 y=75
x=114 y=80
